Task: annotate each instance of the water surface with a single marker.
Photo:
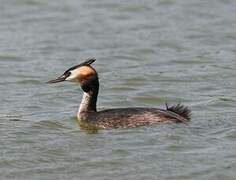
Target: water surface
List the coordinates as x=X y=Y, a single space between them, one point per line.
x=148 y=53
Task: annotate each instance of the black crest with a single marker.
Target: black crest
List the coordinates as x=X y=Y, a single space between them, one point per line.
x=87 y=62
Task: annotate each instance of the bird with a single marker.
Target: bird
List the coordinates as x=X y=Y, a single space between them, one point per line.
x=87 y=77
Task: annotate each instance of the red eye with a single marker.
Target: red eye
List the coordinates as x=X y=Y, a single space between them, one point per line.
x=67 y=74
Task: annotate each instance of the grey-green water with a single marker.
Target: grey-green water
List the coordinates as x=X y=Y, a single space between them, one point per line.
x=148 y=52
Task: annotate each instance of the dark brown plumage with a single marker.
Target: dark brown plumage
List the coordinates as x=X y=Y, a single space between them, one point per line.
x=134 y=117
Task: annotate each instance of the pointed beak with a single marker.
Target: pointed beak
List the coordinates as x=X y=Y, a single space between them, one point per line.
x=59 y=79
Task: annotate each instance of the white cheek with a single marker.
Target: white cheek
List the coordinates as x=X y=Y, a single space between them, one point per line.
x=74 y=76
x=70 y=78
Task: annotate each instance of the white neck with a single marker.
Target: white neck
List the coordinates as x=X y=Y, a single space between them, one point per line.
x=89 y=100
x=84 y=105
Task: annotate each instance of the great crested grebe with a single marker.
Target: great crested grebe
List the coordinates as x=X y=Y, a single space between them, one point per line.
x=87 y=77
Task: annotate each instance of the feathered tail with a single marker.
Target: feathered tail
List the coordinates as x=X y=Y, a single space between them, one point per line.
x=181 y=110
